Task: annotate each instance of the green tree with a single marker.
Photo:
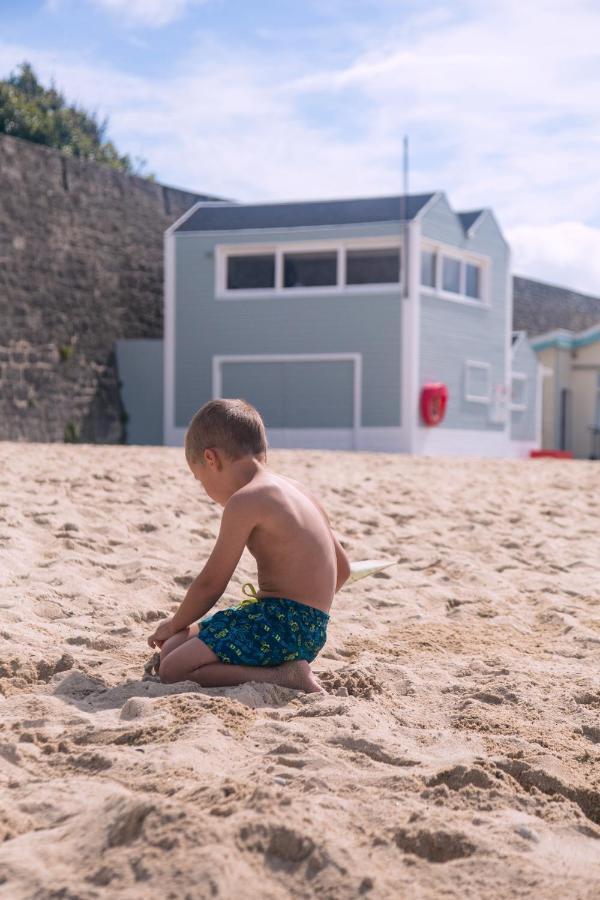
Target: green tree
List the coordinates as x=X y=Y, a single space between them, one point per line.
x=30 y=111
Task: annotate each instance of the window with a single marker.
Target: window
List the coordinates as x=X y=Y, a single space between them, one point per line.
x=478 y=378
x=451 y=274
x=518 y=393
x=310 y=269
x=267 y=270
x=428 y=267
x=377 y=266
x=473 y=281
x=251 y=272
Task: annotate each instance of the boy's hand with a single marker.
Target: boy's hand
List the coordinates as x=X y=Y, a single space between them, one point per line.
x=163 y=632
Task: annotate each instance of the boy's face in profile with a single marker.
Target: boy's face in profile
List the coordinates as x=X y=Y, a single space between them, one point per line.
x=207 y=471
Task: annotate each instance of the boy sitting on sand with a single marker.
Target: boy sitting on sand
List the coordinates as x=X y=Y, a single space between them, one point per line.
x=275 y=633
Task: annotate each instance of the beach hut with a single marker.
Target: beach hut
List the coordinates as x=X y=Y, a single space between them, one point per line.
x=571 y=392
x=379 y=323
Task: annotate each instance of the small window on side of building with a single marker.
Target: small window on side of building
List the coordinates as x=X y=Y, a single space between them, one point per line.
x=451 y=274
x=478 y=382
x=428 y=268
x=310 y=269
x=251 y=272
x=373 y=266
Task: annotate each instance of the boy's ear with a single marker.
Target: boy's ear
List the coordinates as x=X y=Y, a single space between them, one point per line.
x=213 y=458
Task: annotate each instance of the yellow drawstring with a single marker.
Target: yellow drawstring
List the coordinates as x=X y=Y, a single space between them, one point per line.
x=249 y=591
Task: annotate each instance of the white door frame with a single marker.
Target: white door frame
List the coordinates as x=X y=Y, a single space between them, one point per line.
x=354 y=358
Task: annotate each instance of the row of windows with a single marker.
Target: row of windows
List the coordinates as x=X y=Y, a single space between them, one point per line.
x=341 y=267
x=447 y=273
x=313 y=269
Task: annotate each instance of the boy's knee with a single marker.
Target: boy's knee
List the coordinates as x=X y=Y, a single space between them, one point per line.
x=167 y=673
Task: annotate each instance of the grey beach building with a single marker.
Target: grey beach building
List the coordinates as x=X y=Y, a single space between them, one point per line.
x=332 y=316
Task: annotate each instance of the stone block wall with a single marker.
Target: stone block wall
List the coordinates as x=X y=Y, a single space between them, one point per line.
x=81 y=265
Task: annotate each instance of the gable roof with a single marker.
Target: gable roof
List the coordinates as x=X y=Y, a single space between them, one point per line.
x=469 y=217
x=235 y=216
x=539 y=308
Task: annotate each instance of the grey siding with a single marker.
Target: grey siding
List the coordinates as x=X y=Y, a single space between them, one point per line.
x=140 y=367
x=522 y=422
x=452 y=333
x=295 y=394
x=366 y=322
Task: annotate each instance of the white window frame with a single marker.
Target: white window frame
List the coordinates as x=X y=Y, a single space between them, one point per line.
x=518 y=376
x=223 y=251
x=478 y=398
x=464 y=257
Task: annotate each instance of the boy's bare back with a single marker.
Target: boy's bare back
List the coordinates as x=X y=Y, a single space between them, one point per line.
x=292 y=541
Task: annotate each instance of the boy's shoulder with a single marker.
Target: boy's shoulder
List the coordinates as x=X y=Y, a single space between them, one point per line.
x=267 y=490
x=260 y=495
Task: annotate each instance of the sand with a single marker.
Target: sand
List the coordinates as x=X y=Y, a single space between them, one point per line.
x=455 y=754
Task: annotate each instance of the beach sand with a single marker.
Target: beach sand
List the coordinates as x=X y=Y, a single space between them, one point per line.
x=455 y=754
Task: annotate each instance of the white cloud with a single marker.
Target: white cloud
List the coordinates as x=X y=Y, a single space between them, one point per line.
x=565 y=253
x=152 y=13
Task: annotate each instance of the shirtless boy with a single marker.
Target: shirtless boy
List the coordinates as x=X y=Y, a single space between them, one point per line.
x=275 y=633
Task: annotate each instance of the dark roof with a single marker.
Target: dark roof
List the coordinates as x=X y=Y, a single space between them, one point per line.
x=540 y=307
x=468 y=218
x=233 y=216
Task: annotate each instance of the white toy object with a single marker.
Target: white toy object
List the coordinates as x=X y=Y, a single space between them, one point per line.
x=364 y=567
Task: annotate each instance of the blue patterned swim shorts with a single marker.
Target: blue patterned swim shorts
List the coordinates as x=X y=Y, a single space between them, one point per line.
x=265 y=631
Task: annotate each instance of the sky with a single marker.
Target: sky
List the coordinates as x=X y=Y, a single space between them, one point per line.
x=299 y=99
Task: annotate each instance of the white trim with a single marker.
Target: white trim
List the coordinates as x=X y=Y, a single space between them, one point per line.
x=508 y=333
x=190 y=212
x=369 y=439
x=477 y=398
x=427 y=206
x=278 y=249
x=169 y=338
x=518 y=376
x=542 y=373
x=355 y=358
x=443 y=441
x=522 y=449
x=411 y=339
x=474 y=224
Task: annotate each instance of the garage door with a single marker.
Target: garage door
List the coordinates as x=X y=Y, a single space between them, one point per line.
x=294 y=394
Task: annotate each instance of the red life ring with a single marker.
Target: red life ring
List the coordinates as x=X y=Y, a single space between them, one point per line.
x=434 y=399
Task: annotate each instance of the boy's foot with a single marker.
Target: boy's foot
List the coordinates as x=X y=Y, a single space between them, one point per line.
x=298 y=675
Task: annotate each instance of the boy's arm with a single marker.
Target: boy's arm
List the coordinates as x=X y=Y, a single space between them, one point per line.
x=237 y=522
x=343 y=564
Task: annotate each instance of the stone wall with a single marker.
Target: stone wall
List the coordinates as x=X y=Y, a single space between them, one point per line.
x=81 y=264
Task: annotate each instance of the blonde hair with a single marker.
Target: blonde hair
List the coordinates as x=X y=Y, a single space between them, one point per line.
x=233 y=426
